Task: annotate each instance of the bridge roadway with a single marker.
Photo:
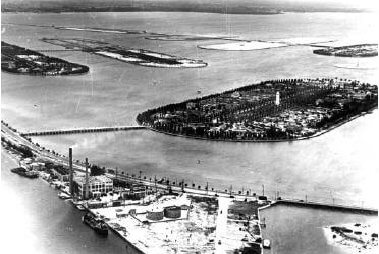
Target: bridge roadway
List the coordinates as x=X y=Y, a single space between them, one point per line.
x=82 y=130
x=18 y=139
x=56 y=50
x=204 y=192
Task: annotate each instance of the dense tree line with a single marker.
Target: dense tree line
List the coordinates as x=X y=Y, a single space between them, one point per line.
x=96 y=170
x=349 y=109
x=25 y=151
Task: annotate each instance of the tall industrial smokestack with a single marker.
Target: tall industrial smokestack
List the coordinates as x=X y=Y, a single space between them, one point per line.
x=71 y=171
x=86 y=196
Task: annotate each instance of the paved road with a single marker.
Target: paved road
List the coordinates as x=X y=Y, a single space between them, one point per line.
x=16 y=138
x=221 y=225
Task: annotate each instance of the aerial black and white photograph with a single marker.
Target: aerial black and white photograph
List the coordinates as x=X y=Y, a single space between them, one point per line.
x=189 y=126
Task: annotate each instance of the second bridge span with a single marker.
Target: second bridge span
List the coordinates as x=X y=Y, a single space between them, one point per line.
x=81 y=130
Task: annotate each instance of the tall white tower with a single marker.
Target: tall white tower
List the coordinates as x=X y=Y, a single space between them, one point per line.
x=277 y=99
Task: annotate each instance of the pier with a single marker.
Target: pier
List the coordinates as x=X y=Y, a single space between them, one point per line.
x=81 y=130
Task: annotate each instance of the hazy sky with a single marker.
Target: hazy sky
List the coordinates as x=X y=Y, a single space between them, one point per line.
x=361 y=4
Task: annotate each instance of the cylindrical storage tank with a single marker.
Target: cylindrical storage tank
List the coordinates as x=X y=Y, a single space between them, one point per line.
x=155 y=215
x=172 y=212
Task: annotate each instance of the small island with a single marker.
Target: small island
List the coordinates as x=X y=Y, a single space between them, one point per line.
x=184 y=37
x=101 y=30
x=276 y=110
x=353 y=238
x=18 y=60
x=359 y=50
x=141 y=57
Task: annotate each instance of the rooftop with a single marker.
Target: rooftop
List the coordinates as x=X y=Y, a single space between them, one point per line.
x=92 y=179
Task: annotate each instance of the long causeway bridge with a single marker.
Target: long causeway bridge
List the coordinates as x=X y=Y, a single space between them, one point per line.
x=82 y=130
x=56 y=50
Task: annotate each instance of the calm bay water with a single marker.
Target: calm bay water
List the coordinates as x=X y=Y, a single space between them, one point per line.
x=35 y=220
x=338 y=165
x=300 y=230
x=321 y=168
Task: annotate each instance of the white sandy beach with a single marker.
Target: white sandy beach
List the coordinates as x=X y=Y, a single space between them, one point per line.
x=244 y=45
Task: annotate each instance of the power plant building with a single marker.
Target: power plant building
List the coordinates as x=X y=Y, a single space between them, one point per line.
x=97 y=185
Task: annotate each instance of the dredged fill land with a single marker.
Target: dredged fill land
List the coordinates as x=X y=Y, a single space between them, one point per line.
x=134 y=56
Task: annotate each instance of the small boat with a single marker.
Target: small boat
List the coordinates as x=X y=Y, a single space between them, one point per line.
x=23 y=172
x=266 y=244
x=80 y=207
x=63 y=195
x=32 y=174
x=95 y=223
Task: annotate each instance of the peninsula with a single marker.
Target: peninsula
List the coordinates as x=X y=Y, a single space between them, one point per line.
x=133 y=56
x=276 y=110
x=15 y=59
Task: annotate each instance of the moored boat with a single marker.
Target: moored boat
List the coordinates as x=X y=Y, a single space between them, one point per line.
x=80 y=207
x=63 y=195
x=95 y=223
x=25 y=173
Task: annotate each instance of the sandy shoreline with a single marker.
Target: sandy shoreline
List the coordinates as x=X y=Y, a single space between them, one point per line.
x=351 y=242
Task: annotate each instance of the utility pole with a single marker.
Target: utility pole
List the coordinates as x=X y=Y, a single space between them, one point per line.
x=87 y=181
x=263 y=189
x=155 y=183
x=71 y=171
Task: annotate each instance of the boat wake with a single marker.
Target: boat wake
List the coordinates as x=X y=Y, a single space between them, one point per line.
x=355 y=67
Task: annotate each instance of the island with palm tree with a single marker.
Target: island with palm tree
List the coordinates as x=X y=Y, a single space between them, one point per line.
x=359 y=50
x=275 y=110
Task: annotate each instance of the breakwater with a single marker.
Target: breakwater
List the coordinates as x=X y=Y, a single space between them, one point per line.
x=328 y=206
